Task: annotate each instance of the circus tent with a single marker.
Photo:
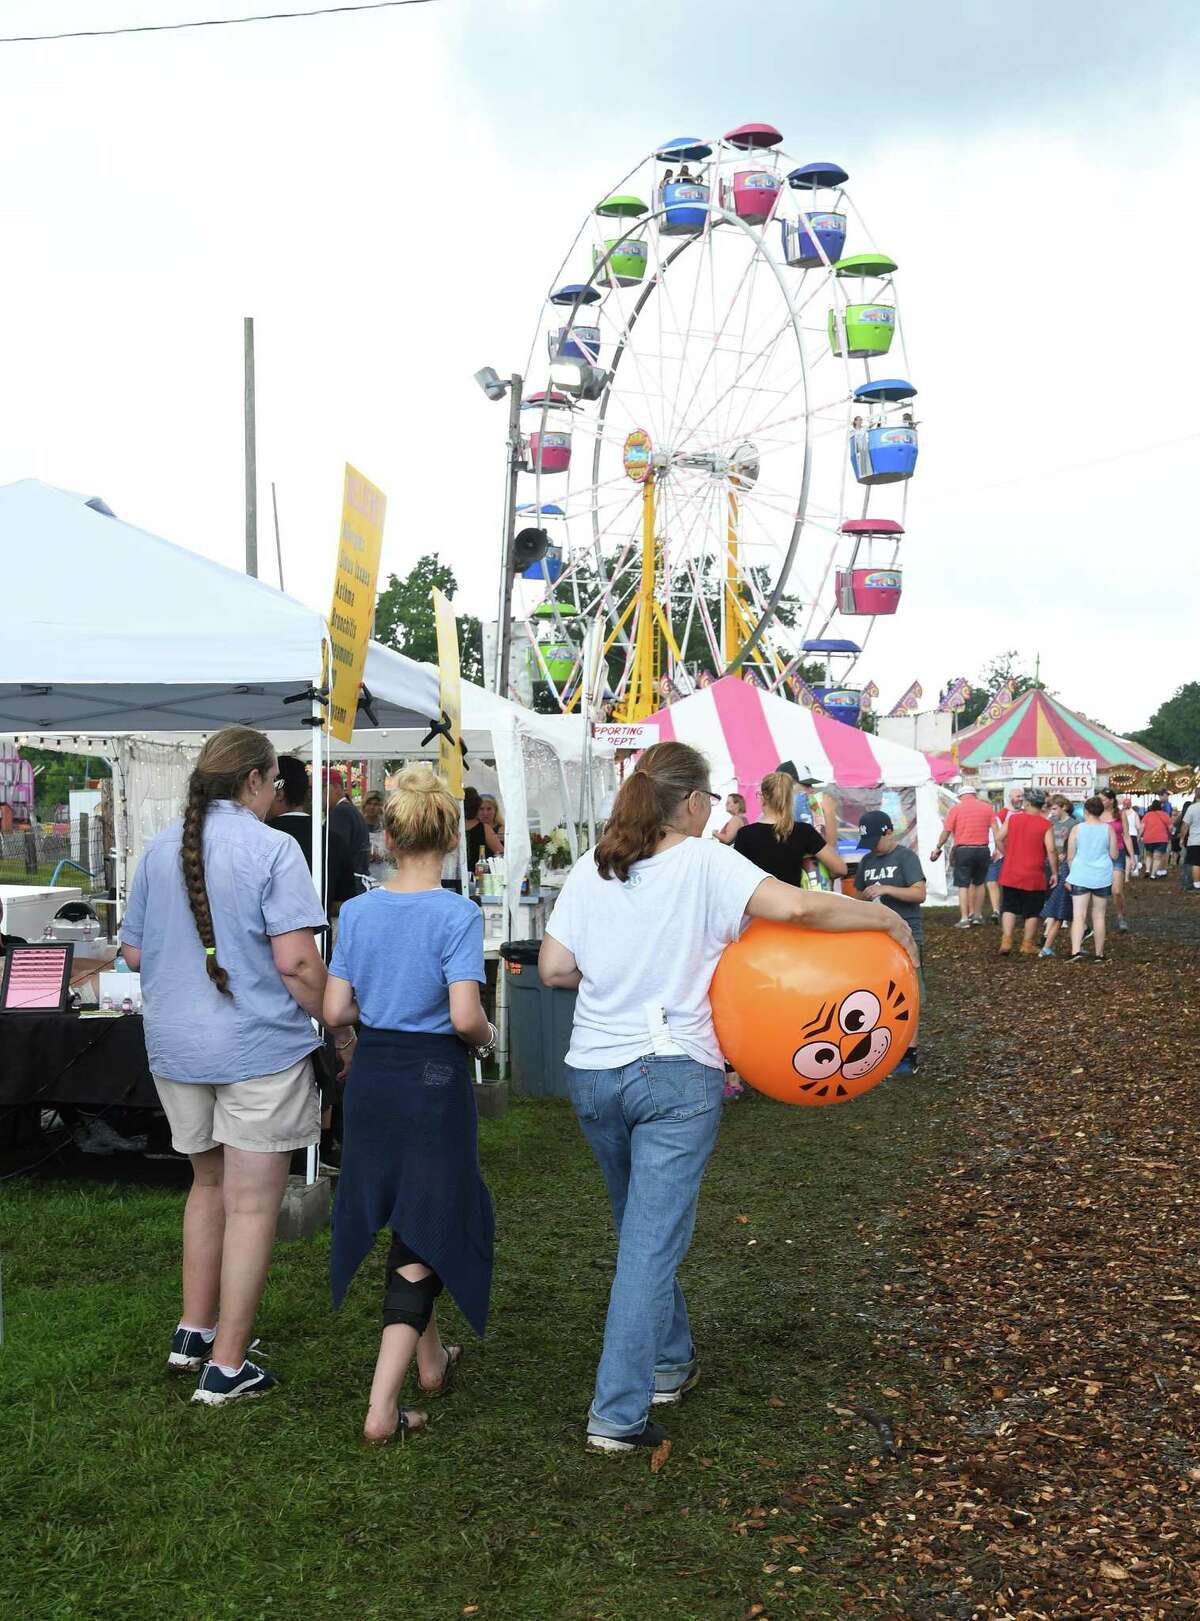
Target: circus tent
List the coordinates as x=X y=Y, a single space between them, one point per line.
x=745 y=733
x=1038 y=726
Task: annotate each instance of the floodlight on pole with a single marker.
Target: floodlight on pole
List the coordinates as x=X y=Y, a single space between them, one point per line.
x=492 y=384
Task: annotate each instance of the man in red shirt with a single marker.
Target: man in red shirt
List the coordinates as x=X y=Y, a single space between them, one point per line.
x=1026 y=844
x=968 y=824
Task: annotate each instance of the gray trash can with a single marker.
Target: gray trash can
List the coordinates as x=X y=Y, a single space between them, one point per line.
x=539 y=1024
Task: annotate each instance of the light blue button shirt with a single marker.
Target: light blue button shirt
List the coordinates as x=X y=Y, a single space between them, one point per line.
x=258 y=886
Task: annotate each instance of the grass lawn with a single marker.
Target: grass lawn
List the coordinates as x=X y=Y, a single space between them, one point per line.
x=14 y=871
x=120 y=1499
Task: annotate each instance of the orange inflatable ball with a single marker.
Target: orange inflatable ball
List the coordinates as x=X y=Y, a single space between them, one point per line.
x=810 y=1017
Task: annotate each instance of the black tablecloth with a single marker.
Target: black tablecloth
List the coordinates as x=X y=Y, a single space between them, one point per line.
x=61 y=1058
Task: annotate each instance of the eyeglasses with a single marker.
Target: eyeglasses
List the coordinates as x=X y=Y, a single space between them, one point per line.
x=280 y=784
x=715 y=798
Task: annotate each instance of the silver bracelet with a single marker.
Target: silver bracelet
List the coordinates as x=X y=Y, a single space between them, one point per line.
x=489 y=1046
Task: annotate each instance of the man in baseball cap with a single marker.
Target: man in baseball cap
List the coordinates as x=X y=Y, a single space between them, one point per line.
x=892 y=874
x=970 y=824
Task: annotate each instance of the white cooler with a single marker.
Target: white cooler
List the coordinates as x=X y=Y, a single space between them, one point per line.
x=27 y=909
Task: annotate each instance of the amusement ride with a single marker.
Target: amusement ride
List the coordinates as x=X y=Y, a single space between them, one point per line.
x=714 y=474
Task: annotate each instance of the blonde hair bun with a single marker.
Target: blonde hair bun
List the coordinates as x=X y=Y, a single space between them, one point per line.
x=420 y=814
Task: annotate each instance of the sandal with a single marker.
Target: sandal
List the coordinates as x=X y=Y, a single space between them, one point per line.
x=442 y=1388
x=404 y=1427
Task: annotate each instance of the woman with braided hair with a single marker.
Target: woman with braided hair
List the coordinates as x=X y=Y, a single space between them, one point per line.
x=220 y=922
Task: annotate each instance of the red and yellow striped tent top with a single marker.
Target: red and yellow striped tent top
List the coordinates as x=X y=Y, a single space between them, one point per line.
x=1039 y=725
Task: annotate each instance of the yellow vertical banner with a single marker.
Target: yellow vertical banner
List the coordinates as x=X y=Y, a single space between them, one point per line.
x=352 y=617
x=450 y=766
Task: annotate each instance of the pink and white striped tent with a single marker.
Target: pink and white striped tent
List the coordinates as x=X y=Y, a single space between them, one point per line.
x=746 y=732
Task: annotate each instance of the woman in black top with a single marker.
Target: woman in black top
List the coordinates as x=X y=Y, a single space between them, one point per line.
x=778 y=843
x=485 y=836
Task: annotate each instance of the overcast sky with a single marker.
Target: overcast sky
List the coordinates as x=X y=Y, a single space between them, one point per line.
x=390 y=193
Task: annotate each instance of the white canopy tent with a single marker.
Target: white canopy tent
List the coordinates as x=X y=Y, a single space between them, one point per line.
x=117 y=630
x=535 y=766
x=165 y=642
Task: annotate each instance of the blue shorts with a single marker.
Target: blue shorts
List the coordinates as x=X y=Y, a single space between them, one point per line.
x=993 y=872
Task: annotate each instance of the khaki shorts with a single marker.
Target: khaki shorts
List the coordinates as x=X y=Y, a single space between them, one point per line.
x=269 y=1114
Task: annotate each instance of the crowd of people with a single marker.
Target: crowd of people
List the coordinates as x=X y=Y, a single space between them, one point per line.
x=1045 y=860
x=240 y=1006
x=245 y=1003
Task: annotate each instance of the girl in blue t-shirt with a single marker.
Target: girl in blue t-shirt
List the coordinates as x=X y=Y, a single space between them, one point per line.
x=407 y=968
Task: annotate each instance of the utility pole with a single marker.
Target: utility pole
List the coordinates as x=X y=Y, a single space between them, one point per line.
x=504 y=623
x=251 y=456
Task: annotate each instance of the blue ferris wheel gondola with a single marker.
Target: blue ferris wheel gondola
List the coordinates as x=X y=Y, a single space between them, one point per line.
x=888 y=391
x=817 y=177
x=683 y=149
x=830 y=644
x=548 y=568
x=575 y=292
x=883 y=452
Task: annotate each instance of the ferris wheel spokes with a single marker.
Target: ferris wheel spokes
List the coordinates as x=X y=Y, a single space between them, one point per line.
x=749 y=473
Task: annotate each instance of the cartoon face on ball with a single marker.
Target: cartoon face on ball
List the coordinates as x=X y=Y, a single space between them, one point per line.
x=814 y=1018
x=849 y=1040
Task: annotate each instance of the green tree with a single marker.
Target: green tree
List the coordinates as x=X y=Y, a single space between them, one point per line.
x=404 y=616
x=56 y=774
x=1005 y=670
x=1174 y=729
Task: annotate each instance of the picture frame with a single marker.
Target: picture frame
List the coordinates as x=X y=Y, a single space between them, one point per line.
x=37 y=978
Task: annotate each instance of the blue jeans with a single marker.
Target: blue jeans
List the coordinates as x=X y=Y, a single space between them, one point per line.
x=651 y=1125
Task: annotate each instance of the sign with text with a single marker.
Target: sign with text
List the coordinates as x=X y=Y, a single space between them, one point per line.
x=450 y=760
x=352 y=617
x=1074 y=784
x=1041 y=770
x=36 y=978
x=625 y=737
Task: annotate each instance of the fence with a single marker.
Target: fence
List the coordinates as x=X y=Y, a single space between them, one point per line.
x=32 y=854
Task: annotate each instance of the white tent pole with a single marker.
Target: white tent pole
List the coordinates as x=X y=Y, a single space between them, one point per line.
x=318 y=867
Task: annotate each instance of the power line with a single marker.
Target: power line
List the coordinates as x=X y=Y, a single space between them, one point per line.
x=209 y=22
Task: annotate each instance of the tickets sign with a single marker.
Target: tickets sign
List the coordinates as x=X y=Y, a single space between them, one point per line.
x=1075 y=784
x=1057 y=773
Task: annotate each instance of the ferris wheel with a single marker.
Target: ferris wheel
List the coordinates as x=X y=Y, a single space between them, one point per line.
x=709 y=459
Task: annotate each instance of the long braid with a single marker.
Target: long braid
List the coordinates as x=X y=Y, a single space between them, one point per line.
x=192 y=851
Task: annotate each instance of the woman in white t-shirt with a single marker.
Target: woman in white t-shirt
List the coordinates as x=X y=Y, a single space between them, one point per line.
x=638 y=931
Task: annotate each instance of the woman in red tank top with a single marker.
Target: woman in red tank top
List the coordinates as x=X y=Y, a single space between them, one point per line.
x=1030 y=866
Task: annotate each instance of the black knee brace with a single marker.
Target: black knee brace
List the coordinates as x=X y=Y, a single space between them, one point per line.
x=403 y=1300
